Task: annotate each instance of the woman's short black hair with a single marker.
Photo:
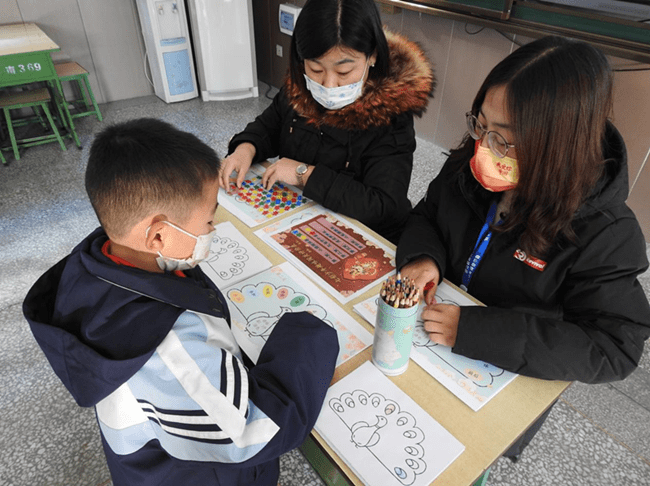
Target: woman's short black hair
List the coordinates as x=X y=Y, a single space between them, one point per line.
x=324 y=24
x=146 y=165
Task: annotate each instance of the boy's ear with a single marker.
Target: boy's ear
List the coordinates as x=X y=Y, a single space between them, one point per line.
x=156 y=232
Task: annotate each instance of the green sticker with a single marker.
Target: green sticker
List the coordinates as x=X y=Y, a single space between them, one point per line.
x=298 y=301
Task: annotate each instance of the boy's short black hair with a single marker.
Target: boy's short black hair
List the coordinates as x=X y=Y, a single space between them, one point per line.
x=146 y=165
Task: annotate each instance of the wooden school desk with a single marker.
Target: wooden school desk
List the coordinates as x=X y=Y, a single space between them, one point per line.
x=25 y=58
x=486 y=434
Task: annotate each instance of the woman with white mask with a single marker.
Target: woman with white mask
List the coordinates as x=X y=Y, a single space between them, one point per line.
x=342 y=124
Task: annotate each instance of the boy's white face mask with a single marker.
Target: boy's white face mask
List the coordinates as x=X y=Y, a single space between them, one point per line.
x=338 y=97
x=200 y=253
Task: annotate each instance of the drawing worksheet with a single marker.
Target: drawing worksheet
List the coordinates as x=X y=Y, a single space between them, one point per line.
x=232 y=257
x=254 y=205
x=472 y=381
x=345 y=260
x=257 y=303
x=382 y=434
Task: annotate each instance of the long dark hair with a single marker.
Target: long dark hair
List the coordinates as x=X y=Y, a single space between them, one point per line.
x=324 y=24
x=558 y=97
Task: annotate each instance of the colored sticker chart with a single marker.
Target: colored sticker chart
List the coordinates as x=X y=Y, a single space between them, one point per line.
x=343 y=258
x=382 y=434
x=257 y=304
x=254 y=205
x=474 y=382
x=232 y=257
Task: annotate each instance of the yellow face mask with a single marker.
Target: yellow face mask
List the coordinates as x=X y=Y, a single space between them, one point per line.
x=493 y=173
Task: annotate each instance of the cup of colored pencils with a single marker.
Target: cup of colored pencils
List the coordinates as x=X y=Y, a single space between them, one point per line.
x=397 y=310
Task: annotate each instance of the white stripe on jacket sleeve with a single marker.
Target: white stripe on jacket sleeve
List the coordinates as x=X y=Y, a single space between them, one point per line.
x=120 y=409
x=216 y=329
x=218 y=406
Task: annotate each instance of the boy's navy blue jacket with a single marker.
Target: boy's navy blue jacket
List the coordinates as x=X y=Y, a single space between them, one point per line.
x=155 y=355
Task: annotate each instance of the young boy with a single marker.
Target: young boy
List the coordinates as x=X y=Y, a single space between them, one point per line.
x=132 y=326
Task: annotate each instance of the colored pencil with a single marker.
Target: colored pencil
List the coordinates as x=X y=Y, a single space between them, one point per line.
x=399 y=292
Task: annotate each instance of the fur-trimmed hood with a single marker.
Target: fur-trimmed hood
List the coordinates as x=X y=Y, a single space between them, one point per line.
x=407 y=88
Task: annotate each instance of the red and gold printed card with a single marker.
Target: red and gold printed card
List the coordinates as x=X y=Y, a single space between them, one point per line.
x=343 y=258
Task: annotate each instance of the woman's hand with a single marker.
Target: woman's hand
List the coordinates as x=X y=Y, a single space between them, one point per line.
x=284 y=170
x=239 y=161
x=441 y=322
x=426 y=275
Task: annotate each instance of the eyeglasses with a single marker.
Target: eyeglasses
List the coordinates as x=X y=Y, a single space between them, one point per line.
x=498 y=145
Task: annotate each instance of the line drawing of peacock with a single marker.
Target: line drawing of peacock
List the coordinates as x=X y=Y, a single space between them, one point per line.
x=391 y=435
x=263 y=304
x=226 y=258
x=476 y=373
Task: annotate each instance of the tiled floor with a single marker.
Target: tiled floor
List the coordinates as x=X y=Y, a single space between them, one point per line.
x=596 y=435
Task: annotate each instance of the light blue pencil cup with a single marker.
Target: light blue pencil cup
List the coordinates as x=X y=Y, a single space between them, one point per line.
x=393 y=338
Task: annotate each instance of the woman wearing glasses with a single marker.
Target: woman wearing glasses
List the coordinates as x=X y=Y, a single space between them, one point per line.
x=528 y=215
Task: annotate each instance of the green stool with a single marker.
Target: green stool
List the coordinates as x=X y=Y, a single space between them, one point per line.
x=34 y=99
x=71 y=71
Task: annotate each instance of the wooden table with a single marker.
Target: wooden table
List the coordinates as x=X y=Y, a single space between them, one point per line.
x=25 y=58
x=486 y=434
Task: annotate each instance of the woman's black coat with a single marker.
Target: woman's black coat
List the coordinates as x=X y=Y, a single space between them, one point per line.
x=583 y=317
x=362 y=153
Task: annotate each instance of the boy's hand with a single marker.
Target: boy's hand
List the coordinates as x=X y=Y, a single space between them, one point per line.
x=239 y=161
x=284 y=170
x=426 y=275
x=441 y=322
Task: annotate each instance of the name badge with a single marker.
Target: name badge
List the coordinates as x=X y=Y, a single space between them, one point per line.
x=532 y=262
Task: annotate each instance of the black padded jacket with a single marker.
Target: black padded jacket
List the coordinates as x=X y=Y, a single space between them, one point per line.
x=362 y=153
x=584 y=317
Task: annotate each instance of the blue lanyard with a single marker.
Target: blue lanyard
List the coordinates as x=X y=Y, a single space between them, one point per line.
x=482 y=242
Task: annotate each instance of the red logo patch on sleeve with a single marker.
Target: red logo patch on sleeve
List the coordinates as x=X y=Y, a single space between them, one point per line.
x=533 y=262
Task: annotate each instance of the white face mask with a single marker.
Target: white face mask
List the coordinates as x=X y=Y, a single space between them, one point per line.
x=338 y=97
x=200 y=253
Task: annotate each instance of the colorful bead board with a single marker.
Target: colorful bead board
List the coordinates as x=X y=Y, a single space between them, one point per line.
x=273 y=202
